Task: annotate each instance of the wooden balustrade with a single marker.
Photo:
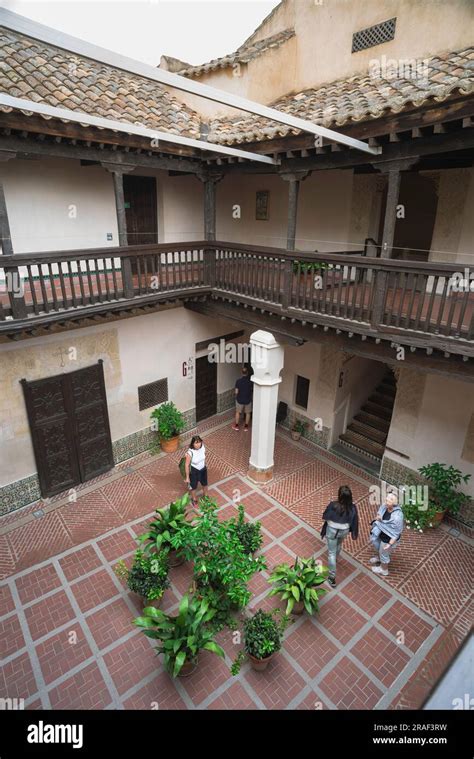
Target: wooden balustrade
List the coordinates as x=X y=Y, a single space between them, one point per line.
x=399 y=297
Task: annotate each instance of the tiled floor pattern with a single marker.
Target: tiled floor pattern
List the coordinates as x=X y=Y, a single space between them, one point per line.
x=66 y=635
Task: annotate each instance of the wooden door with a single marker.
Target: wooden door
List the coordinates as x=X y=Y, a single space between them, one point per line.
x=140 y=209
x=69 y=427
x=206 y=388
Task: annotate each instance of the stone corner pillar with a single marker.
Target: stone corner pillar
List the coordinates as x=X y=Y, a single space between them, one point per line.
x=267 y=358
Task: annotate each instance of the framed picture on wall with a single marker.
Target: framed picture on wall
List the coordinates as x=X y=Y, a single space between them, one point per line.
x=261 y=205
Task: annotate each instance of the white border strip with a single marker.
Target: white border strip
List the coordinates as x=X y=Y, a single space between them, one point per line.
x=120 y=126
x=74 y=45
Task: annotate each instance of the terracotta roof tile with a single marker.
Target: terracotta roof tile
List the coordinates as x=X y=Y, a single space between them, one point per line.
x=358 y=98
x=41 y=72
x=244 y=54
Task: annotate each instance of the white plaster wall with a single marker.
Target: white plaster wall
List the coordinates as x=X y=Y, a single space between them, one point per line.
x=441 y=428
x=135 y=351
x=305 y=362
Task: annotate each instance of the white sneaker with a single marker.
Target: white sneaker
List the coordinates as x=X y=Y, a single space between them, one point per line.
x=380 y=571
x=374 y=560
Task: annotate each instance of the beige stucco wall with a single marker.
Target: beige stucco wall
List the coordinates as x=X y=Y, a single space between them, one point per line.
x=454 y=226
x=424 y=28
x=135 y=351
x=430 y=421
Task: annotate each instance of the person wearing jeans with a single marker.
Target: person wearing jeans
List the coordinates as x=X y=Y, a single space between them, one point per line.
x=385 y=535
x=340 y=519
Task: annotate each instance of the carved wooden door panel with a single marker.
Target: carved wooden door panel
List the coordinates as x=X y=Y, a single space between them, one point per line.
x=69 y=428
x=206 y=388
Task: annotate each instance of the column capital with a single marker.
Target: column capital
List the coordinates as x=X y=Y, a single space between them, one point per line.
x=294 y=176
x=210 y=176
x=117 y=168
x=401 y=164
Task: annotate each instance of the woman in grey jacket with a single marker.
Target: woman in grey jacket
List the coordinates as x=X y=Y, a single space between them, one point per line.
x=386 y=531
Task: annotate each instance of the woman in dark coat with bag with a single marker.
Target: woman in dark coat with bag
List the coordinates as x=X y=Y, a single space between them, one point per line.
x=340 y=519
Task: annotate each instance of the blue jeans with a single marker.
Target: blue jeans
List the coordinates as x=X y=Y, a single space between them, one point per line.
x=335 y=539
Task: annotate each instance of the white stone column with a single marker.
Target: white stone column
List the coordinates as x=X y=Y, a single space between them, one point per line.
x=267 y=358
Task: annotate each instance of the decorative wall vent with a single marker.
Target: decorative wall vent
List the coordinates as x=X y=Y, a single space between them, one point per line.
x=152 y=394
x=374 y=35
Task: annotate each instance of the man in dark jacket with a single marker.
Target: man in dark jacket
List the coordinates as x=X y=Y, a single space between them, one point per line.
x=243 y=399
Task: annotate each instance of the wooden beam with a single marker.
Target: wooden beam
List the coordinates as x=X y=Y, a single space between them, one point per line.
x=293 y=180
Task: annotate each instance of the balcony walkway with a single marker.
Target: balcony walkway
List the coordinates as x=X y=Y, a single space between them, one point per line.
x=58 y=578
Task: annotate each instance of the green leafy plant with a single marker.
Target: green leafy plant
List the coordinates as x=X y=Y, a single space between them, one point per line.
x=300 y=426
x=221 y=564
x=181 y=637
x=299 y=583
x=168 y=421
x=418 y=515
x=248 y=533
x=148 y=575
x=443 y=483
x=301 y=267
x=263 y=635
x=167 y=523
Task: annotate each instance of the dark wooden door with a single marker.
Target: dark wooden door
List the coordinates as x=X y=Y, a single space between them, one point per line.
x=69 y=428
x=206 y=388
x=140 y=209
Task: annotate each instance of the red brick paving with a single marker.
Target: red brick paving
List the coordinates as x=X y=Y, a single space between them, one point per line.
x=401 y=619
x=94 y=590
x=310 y=647
x=62 y=652
x=340 y=620
x=421 y=565
x=79 y=563
x=17 y=679
x=131 y=661
x=35 y=584
x=159 y=694
x=385 y=659
x=278 y=684
x=11 y=636
x=45 y=616
x=84 y=690
x=349 y=688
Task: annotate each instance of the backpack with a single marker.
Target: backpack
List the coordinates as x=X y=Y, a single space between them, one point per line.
x=182 y=464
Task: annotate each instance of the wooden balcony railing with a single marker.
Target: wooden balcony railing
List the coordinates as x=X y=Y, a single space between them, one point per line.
x=422 y=300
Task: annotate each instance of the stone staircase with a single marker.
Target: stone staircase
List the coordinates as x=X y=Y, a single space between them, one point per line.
x=363 y=442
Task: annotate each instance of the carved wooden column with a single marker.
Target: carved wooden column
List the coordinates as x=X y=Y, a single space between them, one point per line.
x=13 y=280
x=118 y=170
x=210 y=180
x=393 y=170
x=294 y=179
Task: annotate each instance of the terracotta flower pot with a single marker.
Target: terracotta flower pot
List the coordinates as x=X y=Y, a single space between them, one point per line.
x=259 y=665
x=295 y=435
x=170 y=445
x=438 y=518
x=298 y=608
x=175 y=559
x=156 y=602
x=188 y=668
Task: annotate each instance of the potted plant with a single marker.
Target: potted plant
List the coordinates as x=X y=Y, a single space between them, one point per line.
x=168 y=423
x=148 y=577
x=181 y=637
x=298 y=429
x=443 y=483
x=248 y=533
x=167 y=523
x=222 y=568
x=298 y=585
x=419 y=515
x=263 y=635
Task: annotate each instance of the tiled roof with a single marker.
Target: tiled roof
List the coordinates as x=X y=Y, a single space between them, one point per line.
x=33 y=70
x=359 y=98
x=244 y=54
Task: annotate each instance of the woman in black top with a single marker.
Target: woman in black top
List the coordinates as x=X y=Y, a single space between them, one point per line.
x=340 y=519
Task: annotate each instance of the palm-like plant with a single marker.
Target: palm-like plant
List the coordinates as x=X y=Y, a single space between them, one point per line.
x=168 y=522
x=299 y=584
x=181 y=637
